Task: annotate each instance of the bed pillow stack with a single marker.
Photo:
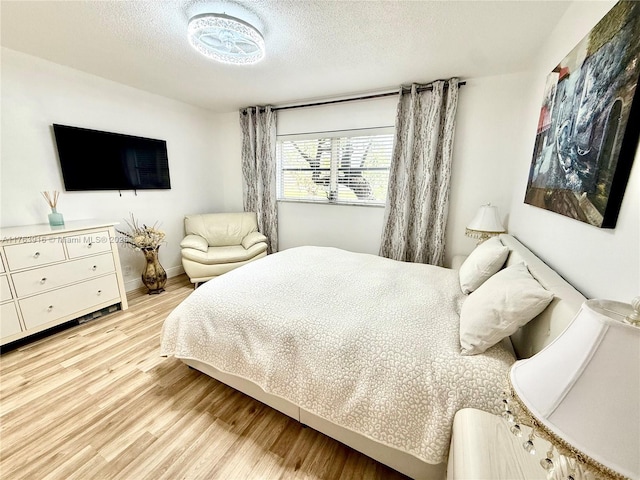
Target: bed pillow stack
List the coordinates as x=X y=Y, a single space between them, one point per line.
x=499 y=307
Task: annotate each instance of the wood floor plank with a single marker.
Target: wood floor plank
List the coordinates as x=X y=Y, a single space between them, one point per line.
x=220 y=441
x=250 y=445
x=131 y=454
x=19 y=398
x=168 y=447
x=97 y=401
x=195 y=459
x=75 y=462
x=69 y=432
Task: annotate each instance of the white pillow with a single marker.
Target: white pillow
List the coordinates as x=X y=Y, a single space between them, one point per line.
x=504 y=303
x=485 y=260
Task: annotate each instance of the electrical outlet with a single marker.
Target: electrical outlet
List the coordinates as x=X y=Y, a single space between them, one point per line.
x=127 y=270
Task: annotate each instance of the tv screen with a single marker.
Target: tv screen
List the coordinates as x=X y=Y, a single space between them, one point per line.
x=94 y=160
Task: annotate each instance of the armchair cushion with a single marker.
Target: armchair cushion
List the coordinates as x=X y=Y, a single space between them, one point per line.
x=252 y=239
x=221 y=229
x=196 y=242
x=228 y=254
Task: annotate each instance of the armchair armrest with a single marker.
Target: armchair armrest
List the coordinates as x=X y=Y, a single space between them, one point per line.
x=196 y=242
x=252 y=238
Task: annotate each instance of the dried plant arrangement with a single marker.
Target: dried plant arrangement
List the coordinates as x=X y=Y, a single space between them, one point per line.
x=142 y=237
x=51 y=198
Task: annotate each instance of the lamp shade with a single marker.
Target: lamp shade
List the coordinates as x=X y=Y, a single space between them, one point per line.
x=584 y=388
x=486 y=220
x=485 y=224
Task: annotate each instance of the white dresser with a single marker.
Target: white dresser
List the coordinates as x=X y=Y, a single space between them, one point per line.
x=50 y=275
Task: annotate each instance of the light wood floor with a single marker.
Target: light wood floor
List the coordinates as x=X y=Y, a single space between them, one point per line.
x=97 y=402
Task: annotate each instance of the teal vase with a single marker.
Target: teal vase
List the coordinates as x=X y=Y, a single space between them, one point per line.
x=55 y=219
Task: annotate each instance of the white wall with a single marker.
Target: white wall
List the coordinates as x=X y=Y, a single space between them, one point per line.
x=227 y=146
x=487 y=135
x=36 y=94
x=601 y=263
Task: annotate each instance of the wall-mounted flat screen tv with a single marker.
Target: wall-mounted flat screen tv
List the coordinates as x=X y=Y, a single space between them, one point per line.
x=94 y=160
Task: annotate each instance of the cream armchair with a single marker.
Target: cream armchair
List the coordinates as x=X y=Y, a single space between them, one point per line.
x=216 y=243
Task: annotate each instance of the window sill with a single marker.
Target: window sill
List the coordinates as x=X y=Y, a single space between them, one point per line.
x=347 y=204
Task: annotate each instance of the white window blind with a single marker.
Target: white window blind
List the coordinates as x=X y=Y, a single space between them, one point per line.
x=335 y=167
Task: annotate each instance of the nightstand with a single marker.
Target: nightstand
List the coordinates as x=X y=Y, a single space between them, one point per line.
x=483 y=448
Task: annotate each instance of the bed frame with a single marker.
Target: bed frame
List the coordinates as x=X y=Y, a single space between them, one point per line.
x=526 y=342
x=543 y=329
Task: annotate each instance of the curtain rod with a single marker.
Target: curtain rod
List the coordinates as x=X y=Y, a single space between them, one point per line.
x=353 y=99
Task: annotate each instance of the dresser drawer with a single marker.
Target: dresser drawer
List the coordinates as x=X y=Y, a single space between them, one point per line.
x=5 y=291
x=34 y=254
x=87 y=244
x=35 y=281
x=9 y=323
x=51 y=306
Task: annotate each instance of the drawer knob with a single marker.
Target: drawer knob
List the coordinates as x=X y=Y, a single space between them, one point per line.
x=36 y=255
x=94 y=268
x=43 y=279
x=99 y=292
x=50 y=308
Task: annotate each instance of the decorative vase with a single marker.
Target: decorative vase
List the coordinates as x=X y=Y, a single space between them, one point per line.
x=154 y=276
x=55 y=219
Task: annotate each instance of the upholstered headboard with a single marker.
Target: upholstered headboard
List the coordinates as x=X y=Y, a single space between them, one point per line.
x=540 y=331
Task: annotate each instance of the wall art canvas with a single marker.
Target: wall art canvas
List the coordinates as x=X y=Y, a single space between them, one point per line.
x=589 y=123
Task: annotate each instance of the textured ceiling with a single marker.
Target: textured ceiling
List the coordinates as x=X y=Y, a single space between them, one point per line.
x=315 y=48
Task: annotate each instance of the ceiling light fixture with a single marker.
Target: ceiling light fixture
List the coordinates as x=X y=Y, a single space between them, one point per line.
x=226 y=39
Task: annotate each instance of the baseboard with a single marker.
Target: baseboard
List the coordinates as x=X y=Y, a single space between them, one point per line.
x=136 y=283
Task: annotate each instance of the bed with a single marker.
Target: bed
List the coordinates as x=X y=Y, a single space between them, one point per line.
x=362 y=348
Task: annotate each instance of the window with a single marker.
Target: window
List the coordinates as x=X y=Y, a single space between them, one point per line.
x=335 y=167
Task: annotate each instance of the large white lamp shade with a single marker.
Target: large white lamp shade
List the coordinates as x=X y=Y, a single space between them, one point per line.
x=583 y=389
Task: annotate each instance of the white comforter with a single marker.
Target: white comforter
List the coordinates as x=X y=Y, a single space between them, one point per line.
x=365 y=342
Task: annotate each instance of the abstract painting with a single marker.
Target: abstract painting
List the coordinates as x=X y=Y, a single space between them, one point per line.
x=589 y=123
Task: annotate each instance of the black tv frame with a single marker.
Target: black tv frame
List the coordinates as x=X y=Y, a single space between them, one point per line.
x=99 y=160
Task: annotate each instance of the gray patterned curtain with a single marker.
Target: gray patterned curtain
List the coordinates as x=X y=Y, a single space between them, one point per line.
x=418 y=196
x=259 y=169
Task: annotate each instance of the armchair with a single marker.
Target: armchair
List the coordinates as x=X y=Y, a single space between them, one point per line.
x=216 y=243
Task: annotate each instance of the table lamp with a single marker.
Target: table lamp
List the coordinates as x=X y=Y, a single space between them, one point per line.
x=582 y=394
x=485 y=224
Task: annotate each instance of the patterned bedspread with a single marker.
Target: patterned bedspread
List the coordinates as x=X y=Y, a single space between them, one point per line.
x=365 y=342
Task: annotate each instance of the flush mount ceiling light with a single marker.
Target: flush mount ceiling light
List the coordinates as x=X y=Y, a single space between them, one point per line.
x=226 y=39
